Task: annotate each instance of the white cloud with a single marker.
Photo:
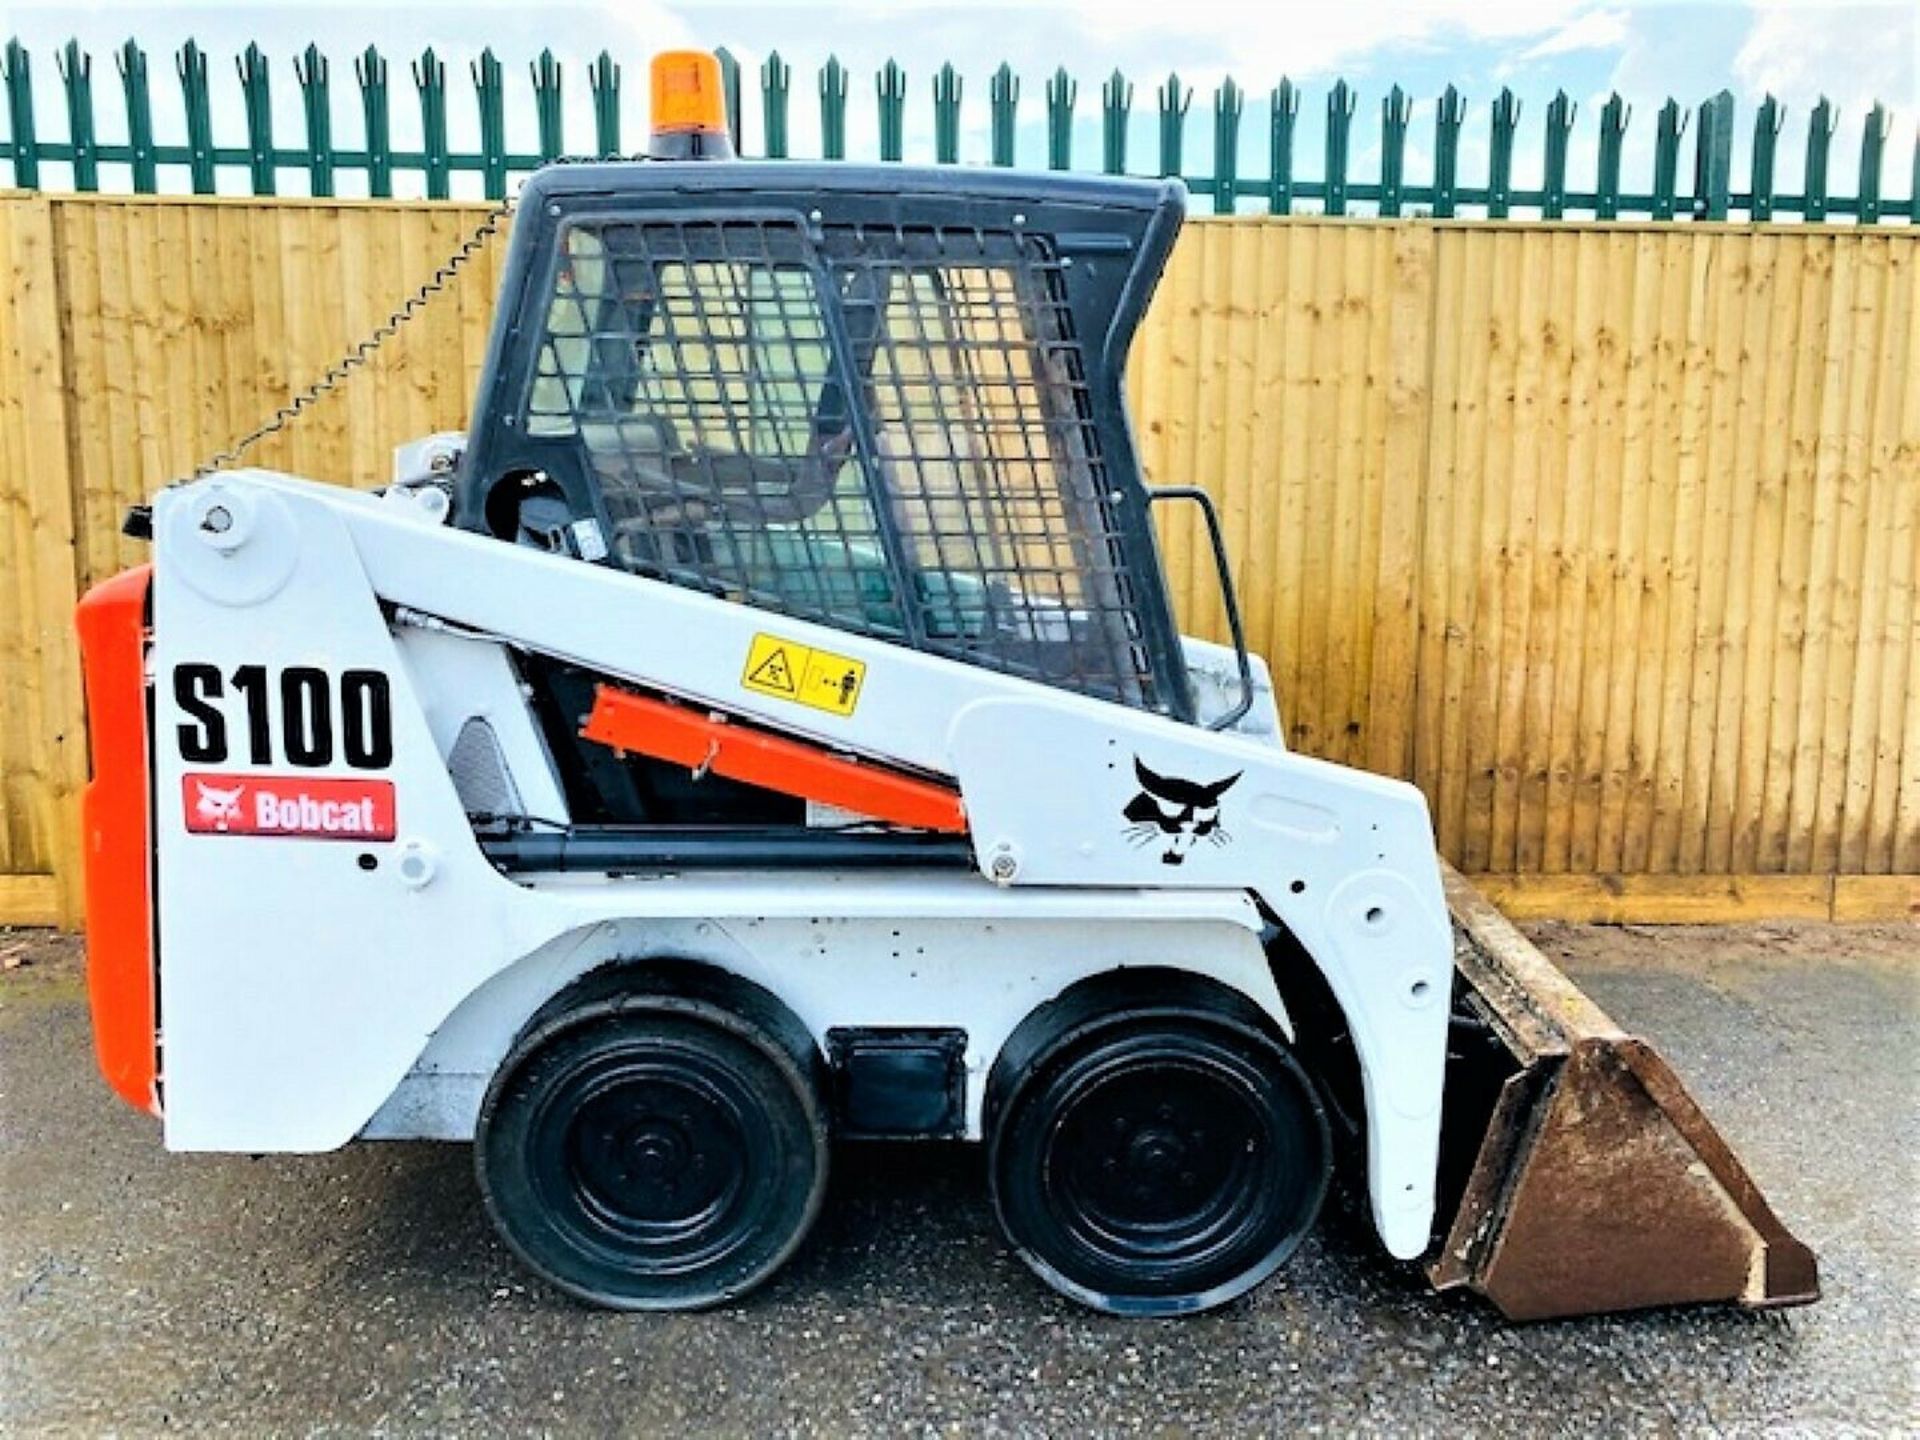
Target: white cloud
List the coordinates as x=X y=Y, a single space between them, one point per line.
x=1854 y=54
x=1594 y=30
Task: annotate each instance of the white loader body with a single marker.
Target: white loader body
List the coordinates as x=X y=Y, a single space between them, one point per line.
x=345 y=972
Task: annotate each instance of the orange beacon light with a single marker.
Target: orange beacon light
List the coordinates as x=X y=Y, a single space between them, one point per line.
x=689 y=108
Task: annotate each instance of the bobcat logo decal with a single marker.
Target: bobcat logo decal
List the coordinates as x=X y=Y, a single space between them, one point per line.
x=220 y=808
x=1175 y=813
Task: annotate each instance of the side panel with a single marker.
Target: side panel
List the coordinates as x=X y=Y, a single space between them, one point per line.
x=300 y=974
x=1060 y=795
x=982 y=974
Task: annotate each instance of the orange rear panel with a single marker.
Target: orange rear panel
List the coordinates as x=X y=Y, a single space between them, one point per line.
x=112 y=621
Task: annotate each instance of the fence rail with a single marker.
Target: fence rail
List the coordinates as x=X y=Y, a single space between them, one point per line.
x=1709 y=194
x=1607 y=536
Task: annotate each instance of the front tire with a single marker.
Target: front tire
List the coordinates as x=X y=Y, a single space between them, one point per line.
x=654 y=1153
x=1157 y=1152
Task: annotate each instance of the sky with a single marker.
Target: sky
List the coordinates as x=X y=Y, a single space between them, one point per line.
x=1851 y=53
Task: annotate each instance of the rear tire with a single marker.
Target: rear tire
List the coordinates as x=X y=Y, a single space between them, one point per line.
x=653 y=1152
x=1156 y=1151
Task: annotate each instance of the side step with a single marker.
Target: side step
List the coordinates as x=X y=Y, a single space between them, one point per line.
x=1599 y=1184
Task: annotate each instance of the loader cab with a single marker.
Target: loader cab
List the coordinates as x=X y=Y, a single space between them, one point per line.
x=881 y=398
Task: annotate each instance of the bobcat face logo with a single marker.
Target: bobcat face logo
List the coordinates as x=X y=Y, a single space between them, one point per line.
x=221 y=808
x=1175 y=813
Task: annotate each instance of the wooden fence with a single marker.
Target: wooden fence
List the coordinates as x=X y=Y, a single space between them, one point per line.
x=1606 y=535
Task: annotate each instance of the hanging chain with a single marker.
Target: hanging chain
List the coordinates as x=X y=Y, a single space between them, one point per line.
x=358 y=355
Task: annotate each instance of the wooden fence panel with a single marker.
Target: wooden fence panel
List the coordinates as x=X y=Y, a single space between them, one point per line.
x=1605 y=535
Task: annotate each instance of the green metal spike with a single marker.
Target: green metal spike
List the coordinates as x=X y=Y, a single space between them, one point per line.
x=890 y=86
x=76 y=77
x=1506 y=124
x=1116 y=106
x=946 y=115
x=1229 y=101
x=310 y=69
x=549 y=112
x=191 y=66
x=1449 y=116
x=1767 y=121
x=131 y=61
x=833 y=109
x=603 y=80
x=1062 y=92
x=776 y=79
x=1003 y=100
x=257 y=98
x=371 y=72
x=1340 y=107
x=1174 y=99
x=1614 y=117
x=1395 y=113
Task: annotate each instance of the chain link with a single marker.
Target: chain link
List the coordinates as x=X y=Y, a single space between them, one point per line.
x=359 y=354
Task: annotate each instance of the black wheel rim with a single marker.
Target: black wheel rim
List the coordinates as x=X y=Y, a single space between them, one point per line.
x=655 y=1158
x=1163 y=1169
x=1159 y=1159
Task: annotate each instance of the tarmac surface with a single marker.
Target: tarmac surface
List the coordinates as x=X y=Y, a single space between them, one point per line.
x=364 y=1291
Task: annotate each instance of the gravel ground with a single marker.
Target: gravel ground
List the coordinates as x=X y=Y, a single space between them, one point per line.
x=364 y=1291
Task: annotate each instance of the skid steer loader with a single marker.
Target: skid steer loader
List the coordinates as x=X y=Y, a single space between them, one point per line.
x=767 y=727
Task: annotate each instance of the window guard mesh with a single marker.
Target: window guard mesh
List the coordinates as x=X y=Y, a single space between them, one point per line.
x=883 y=429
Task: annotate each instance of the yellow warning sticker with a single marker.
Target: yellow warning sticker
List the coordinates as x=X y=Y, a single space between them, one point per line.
x=804 y=675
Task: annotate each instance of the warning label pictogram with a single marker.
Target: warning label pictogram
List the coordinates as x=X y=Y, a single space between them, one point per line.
x=774 y=673
x=816 y=678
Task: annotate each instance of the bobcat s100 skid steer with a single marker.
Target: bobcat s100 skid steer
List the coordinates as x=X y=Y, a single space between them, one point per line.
x=767 y=727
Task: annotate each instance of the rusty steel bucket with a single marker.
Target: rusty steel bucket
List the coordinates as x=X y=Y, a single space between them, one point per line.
x=1598 y=1184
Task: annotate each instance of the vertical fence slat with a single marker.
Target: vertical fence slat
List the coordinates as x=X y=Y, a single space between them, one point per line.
x=890 y=89
x=489 y=92
x=191 y=66
x=1449 y=116
x=256 y=98
x=1174 y=99
x=430 y=78
x=1340 y=106
x=1228 y=103
x=603 y=80
x=40 y=338
x=1767 y=120
x=833 y=109
x=1116 y=108
x=946 y=115
x=76 y=77
x=1003 y=101
x=18 y=74
x=370 y=70
x=1506 y=124
x=548 y=107
x=1062 y=91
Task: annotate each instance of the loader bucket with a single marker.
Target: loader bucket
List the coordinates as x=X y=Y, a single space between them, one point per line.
x=1598 y=1183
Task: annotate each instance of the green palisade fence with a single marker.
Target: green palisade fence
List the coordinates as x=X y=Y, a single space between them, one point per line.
x=118 y=149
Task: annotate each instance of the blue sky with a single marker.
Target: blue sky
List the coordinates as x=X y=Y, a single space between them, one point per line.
x=1852 y=53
